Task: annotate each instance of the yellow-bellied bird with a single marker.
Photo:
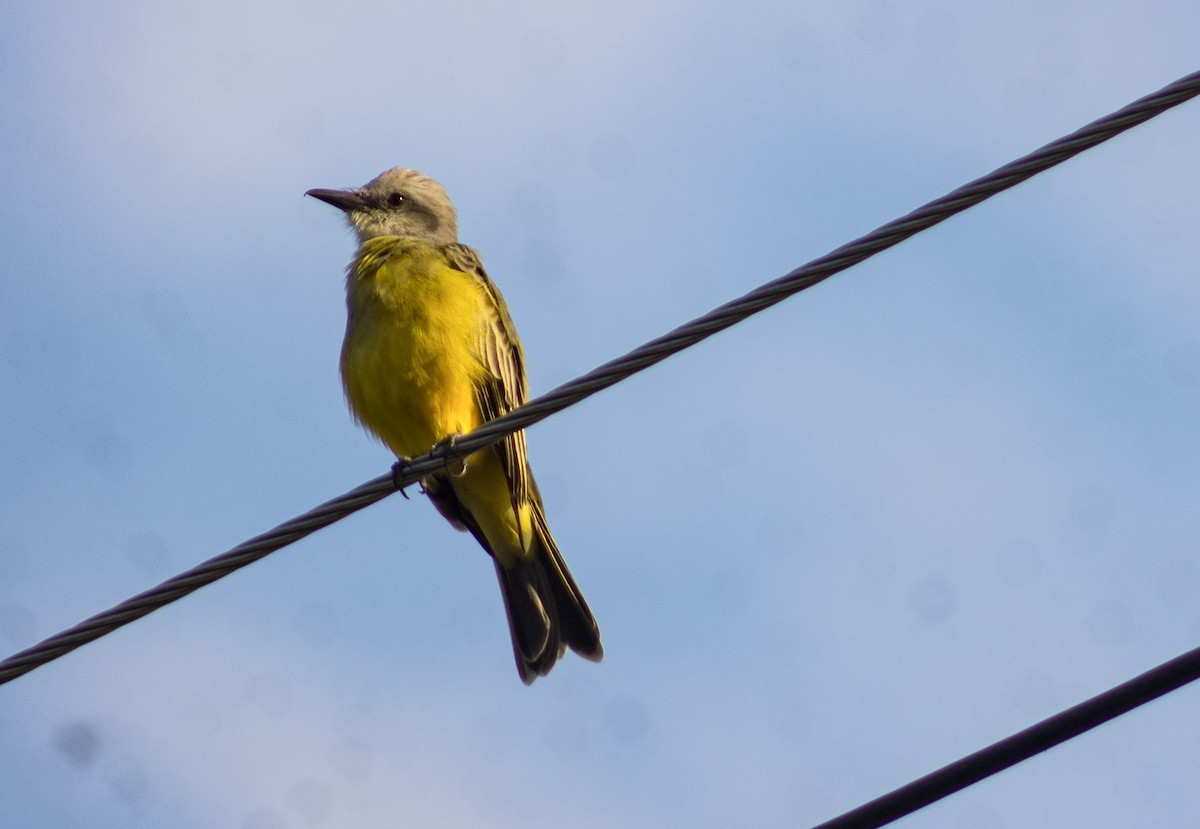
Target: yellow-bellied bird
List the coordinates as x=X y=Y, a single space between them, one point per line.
x=431 y=353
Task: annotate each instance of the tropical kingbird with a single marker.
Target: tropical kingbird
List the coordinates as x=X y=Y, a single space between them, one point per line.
x=431 y=353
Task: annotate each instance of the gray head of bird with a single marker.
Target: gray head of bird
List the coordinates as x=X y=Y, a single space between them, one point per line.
x=397 y=202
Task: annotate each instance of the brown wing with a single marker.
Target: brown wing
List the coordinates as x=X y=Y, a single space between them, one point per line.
x=504 y=386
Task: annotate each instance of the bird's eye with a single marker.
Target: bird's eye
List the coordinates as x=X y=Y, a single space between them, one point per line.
x=395 y=199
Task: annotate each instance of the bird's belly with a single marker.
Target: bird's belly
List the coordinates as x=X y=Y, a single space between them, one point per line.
x=410 y=378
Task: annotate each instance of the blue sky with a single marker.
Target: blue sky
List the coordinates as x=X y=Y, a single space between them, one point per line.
x=921 y=506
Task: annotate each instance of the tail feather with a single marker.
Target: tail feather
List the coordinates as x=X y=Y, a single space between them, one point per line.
x=579 y=629
x=546 y=611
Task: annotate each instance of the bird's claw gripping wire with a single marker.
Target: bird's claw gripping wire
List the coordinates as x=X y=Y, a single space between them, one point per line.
x=398 y=475
x=443 y=447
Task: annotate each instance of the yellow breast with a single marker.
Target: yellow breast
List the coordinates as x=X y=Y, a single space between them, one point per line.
x=410 y=357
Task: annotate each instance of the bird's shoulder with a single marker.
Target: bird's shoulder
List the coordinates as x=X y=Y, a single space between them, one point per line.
x=504 y=385
x=465 y=259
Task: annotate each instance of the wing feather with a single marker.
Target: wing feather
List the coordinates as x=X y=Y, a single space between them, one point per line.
x=504 y=386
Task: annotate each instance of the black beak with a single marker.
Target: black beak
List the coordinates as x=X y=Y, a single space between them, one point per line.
x=345 y=200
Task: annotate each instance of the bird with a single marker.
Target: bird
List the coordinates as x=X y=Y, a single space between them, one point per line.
x=430 y=353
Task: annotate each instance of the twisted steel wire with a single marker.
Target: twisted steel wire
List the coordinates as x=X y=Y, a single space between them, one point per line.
x=606 y=375
x=1044 y=735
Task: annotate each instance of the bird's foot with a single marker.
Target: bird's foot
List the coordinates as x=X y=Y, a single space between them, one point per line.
x=443 y=446
x=398 y=475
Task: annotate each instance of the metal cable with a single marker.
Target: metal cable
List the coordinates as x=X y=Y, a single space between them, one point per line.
x=608 y=374
x=1046 y=734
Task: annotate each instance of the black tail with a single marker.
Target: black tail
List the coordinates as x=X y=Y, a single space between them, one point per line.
x=546 y=611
